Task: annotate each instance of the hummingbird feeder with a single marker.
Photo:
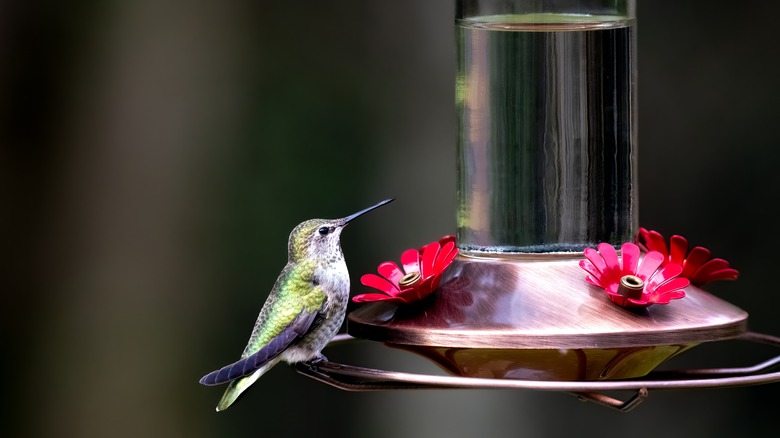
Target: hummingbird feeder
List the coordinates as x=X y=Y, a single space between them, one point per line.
x=550 y=284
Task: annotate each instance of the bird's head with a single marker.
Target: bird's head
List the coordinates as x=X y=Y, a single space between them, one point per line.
x=320 y=238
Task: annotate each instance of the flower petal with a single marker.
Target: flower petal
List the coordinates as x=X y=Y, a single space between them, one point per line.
x=654 y=241
x=695 y=259
x=667 y=273
x=428 y=258
x=379 y=283
x=679 y=248
x=592 y=280
x=612 y=287
x=674 y=284
x=448 y=238
x=706 y=272
x=612 y=272
x=418 y=292
x=410 y=259
x=630 y=257
x=367 y=298
x=723 y=274
x=390 y=271
x=596 y=260
x=640 y=238
x=609 y=255
x=712 y=265
x=446 y=254
x=595 y=275
x=664 y=298
x=650 y=263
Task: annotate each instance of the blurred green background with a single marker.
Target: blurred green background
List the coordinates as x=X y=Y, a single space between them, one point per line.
x=156 y=154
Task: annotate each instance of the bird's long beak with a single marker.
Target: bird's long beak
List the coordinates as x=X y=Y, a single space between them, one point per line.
x=349 y=218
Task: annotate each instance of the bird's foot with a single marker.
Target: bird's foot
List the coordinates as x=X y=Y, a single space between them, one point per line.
x=320 y=358
x=312 y=363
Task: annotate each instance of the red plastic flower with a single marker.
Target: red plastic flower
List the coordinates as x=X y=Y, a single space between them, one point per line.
x=422 y=270
x=630 y=283
x=697 y=265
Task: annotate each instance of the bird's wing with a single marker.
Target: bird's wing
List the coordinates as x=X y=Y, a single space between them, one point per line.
x=248 y=365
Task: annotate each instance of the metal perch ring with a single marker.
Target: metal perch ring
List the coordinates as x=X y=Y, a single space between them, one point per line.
x=355 y=378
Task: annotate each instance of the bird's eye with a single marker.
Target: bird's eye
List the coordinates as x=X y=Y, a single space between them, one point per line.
x=324 y=230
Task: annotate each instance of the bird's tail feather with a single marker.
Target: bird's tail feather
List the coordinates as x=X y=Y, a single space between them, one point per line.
x=238 y=386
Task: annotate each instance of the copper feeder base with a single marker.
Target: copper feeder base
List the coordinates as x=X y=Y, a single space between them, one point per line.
x=535 y=318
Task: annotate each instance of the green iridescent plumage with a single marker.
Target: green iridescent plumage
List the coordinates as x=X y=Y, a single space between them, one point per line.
x=296 y=294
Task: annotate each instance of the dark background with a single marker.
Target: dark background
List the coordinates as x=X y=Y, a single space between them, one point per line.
x=156 y=154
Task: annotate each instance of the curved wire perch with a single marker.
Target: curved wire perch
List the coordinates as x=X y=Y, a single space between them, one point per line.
x=354 y=378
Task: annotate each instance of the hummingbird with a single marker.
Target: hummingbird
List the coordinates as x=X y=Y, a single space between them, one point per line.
x=303 y=311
